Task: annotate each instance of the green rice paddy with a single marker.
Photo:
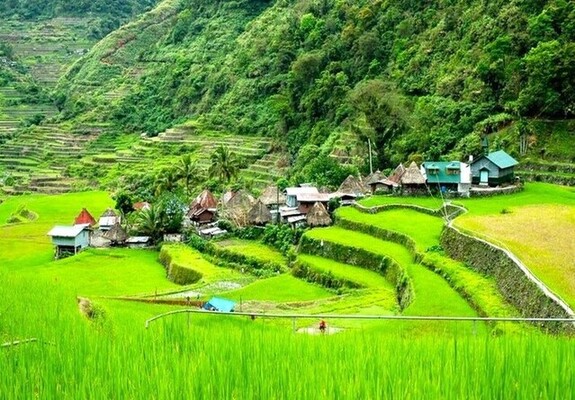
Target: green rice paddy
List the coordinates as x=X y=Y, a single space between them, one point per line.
x=203 y=356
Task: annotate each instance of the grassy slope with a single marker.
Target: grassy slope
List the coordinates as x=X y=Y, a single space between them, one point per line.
x=110 y=272
x=537 y=226
x=125 y=361
x=188 y=257
x=255 y=249
x=433 y=296
x=27 y=245
x=425 y=230
x=378 y=297
x=422 y=228
x=282 y=288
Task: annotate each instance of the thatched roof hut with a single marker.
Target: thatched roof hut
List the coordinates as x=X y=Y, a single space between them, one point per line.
x=240 y=200
x=351 y=186
x=318 y=216
x=374 y=177
x=116 y=234
x=271 y=196
x=259 y=214
x=413 y=175
x=205 y=200
x=397 y=174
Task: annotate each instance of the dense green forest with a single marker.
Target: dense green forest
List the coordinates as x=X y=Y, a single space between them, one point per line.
x=112 y=12
x=417 y=78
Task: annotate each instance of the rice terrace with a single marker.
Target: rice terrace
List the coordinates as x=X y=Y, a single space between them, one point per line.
x=311 y=199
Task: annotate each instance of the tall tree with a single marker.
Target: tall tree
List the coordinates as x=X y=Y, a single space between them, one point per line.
x=166 y=181
x=225 y=164
x=149 y=222
x=188 y=172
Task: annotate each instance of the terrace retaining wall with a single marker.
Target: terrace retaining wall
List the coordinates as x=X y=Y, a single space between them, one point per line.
x=517 y=284
x=383 y=265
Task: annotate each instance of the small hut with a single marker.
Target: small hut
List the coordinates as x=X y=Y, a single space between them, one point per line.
x=259 y=214
x=108 y=220
x=204 y=200
x=220 y=304
x=349 y=190
x=238 y=207
x=203 y=208
x=367 y=180
x=70 y=239
x=318 y=216
x=116 y=235
x=240 y=199
x=412 y=180
x=85 y=218
x=397 y=174
x=272 y=197
x=380 y=184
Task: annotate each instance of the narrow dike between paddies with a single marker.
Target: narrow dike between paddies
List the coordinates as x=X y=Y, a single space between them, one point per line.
x=426 y=293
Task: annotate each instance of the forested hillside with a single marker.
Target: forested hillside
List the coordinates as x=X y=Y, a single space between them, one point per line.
x=417 y=78
x=112 y=13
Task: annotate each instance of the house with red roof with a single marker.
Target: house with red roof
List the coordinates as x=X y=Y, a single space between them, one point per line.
x=85 y=218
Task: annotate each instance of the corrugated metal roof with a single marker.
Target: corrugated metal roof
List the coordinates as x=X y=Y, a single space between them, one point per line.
x=502 y=159
x=220 y=304
x=312 y=197
x=67 y=231
x=294 y=191
x=436 y=171
x=108 y=221
x=296 y=218
x=138 y=239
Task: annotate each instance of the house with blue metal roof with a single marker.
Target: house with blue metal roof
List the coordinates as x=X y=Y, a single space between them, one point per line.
x=447 y=176
x=493 y=169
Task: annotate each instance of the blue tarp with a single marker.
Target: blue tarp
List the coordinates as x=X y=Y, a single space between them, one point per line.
x=219 y=304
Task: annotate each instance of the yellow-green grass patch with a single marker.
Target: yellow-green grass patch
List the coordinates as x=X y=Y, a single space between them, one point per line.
x=376 y=283
x=364 y=241
x=26 y=245
x=106 y=272
x=534 y=193
x=361 y=276
x=541 y=236
x=424 y=229
x=188 y=257
x=433 y=295
x=254 y=249
x=281 y=288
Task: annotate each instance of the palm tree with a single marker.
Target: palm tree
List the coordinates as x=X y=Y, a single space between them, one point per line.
x=225 y=164
x=188 y=172
x=166 y=181
x=149 y=222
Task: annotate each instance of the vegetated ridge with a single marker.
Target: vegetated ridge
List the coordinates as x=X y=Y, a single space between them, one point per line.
x=419 y=80
x=315 y=79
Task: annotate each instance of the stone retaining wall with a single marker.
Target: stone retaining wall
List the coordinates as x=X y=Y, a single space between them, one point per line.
x=512 y=281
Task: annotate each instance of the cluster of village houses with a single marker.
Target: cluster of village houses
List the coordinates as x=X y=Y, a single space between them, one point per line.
x=297 y=206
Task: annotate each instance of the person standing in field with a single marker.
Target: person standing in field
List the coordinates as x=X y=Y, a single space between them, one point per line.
x=322 y=326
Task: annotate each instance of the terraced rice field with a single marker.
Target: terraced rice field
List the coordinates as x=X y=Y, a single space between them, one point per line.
x=53 y=158
x=257 y=250
x=433 y=295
